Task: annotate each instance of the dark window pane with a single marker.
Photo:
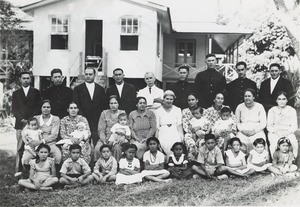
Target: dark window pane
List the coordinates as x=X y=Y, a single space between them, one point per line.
x=59 y=42
x=129 y=42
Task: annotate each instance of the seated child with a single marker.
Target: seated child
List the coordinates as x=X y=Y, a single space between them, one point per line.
x=154 y=162
x=200 y=125
x=210 y=160
x=225 y=128
x=129 y=166
x=120 y=135
x=105 y=169
x=81 y=133
x=283 y=158
x=235 y=159
x=42 y=171
x=178 y=162
x=259 y=159
x=75 y=171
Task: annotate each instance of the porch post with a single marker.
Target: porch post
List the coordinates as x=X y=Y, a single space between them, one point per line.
x=37 y=82
x=68 y=78
x=209 y=44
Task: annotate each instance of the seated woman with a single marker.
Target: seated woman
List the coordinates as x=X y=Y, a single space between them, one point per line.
x=68 y=125
x=282 y=122
x=251 y=120
x=143 y=126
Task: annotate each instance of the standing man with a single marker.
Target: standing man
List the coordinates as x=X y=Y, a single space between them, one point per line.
x=59 y=95
x=182 y=88
x=125 y=92
x=209 y=82
x=91 y=101
x=153 y=94
x=235 y=89
x=271 y=86
x=25 y=104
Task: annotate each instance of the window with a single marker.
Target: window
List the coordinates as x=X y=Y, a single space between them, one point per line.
x=59 y=33
x=129 y=33
x=185 y=52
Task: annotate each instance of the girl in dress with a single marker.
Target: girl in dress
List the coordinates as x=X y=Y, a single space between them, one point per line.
x=105 y=169
x=283 y=158
x=259 y=159
x=235 y=159
x=178 y=162
x=154 y=162
x=129 y=166
x=42 y=171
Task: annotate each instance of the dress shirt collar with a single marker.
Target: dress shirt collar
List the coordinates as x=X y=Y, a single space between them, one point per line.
x=26 y=89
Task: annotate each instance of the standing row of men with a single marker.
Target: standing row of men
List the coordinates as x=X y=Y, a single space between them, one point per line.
x=91 y=98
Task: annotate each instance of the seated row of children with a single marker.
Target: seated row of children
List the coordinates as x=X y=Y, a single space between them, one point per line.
x=210 y=164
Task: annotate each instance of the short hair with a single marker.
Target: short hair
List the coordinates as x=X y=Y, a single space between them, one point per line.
x=184 y=150
x=46 y=101
x=72 y=103
x=74 y=146
x=234 y=139
x=241 y=63
x=281 y=93
x=56 y=70
x=198 y=108
x=169 y=93
x=139 y=98
x=225 y=109
x=186 y=67
x=275 y=65
x=120 y=69
x=104 y=146
x=152 y=139
x=252 y=91
x=210 y=55
x=259 y=141
x=32 y=119
x=128 y=145
x=90 y=69
x=209 y=136
x=24 y=72
x=147 y=73
x=122 y=115
x=113 y=96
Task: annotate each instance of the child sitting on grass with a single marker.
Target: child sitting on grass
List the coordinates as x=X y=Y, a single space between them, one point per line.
x=283 y=158
x=178 y=162
x=235 y=159
x=210 y=160
x=105 y=169
x=258 y=159
x=129 y=166
x=75 y=171
x=224 y=128
x=154 y=162
x=42 y=171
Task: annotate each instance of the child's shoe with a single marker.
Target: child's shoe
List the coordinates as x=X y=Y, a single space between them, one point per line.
x=222 y=177
x=17 y=174
x=195 y=176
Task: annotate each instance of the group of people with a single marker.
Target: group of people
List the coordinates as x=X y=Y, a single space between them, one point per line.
x=188 y=130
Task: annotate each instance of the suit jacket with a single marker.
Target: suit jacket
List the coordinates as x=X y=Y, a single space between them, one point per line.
x=90 y=109
x=127 y=101
x=207 y=84
x=268 y=99
x=235 y=91
x=25 y=107
x=181 y=90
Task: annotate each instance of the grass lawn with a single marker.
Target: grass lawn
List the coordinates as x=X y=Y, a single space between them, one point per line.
x=257 y=190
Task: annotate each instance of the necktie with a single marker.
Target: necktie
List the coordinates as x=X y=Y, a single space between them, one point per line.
x=150 y=90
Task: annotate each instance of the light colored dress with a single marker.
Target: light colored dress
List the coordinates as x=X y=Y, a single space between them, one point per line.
x=44 y=172
x=235 y=161
x=154 y=160
x=282 y=123
x=259 y=158
x=167 y=127
x=29 y=135
x=128 y=179
x=250 y=119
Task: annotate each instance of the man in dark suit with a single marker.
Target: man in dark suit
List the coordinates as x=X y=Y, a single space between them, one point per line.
x=209 y=82
x=271 y=86
x=25 y=104
x=59 y=95
x=91 y=101
x=235 y=89
x=125 y=92
x=182 y=88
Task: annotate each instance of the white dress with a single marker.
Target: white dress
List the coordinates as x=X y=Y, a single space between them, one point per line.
x=258 y=158
x=236 y=161
x=128 y=179
x=158 y=159
x=167 y=127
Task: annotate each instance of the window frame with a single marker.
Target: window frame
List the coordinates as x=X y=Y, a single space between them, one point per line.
x=62 y=17
x=186 y=41
x=125 y=32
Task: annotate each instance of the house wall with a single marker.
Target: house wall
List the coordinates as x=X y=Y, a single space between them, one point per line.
x=169 y=57
x=134 y=63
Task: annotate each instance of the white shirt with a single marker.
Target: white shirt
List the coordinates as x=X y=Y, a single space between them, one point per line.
x=155 y=93
x=273 y=83
x=120 y=88
x=91 y=88
x=26 y=90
